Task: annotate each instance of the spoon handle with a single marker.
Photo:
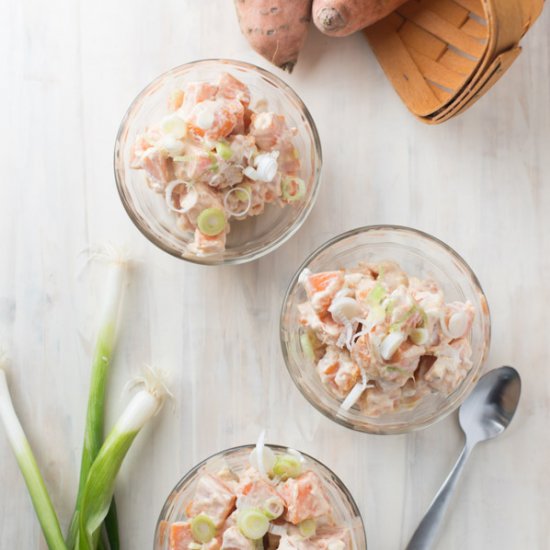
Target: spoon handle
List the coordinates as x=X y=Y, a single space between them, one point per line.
x=426 y=533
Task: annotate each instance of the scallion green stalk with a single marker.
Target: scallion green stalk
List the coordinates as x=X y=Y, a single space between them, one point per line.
x=105 y=344
x=100 y=484
x=27 y=464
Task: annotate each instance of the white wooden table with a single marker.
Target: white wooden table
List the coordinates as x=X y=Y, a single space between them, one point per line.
x=480 y=182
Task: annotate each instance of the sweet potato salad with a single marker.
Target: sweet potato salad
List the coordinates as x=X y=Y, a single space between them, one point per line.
x=277 y=501
x=216 y=158
x=381 y=340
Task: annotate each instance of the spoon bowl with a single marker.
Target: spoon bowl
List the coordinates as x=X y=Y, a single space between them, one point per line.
x=490 y=407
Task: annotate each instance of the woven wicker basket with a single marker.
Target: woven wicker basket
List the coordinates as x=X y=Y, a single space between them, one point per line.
x=443 y=55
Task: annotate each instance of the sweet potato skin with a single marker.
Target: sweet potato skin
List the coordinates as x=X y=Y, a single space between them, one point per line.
x=276 y=29
x=344 y=17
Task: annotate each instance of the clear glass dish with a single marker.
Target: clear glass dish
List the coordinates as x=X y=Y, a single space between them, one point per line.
x=419 y=254
x=251 y=238
x=344 y=507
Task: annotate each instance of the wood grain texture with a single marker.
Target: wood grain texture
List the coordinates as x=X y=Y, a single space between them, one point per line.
x=480 y=182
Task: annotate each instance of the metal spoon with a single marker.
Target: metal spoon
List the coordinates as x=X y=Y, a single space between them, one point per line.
x=485 y=414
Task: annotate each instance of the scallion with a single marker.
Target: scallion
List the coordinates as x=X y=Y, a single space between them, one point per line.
x=211 y=221
x=307 y=528
x=27 y=464
x=273 y=508
x=203 y=528
x=293 y=188
x=100 y=484
x=252 y=523
x=118 y=263
x=224 y=150
x=287 y=466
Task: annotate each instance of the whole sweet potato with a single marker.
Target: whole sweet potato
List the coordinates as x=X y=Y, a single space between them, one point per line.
x=276 y=29
x=344 y=17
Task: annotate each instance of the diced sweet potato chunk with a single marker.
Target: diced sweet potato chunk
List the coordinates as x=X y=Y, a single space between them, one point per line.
x=304 y=497
x=233 y=539
x=213 y=498
x=180 y=536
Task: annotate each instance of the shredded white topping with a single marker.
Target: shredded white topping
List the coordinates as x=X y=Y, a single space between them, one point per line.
x=354 y=395
x=262 y=458
x=344 y=309
x=390 y=344
x=250 y=173
x=266 y=166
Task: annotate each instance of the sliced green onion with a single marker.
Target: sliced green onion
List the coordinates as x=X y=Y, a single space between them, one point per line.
x=307 y=528
x=252 y=523
x=394 y=327
x=377 y=315
x=27 y=464
x=376 y=295
x=203 y=528
x=224 y=150
x=211 y=221
x=100 y=484
x=243 y=195
x=173 y=125
x=287 y=466
x=194 y=546
x=104 y=348
x=273 y=508
x=419 y=336
x=293 y=188
x=262 y=457
x=423 y=314
x=307 y=346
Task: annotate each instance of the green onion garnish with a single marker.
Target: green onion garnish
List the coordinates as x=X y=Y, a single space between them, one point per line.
x=419 y=336
x=273 y=508
x=211 y=221
x=203 y=528
x=307 y=346
x=287 y=466
x=243 y=193
x=224 y=150
x=394 y=327
x=307 y=528
x=252 y=523
x=376 y=295
x=293 y=188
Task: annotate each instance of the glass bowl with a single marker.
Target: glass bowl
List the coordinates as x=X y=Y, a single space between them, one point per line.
x=251 y=238
x=345 y=509
x=419 y=254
